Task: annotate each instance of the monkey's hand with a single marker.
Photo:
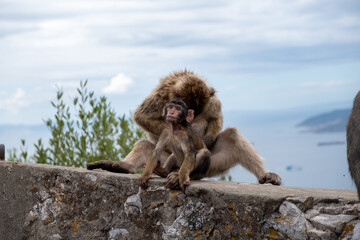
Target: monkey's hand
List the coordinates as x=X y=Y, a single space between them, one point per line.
x=143 y=181
x=270 y=177
x=172 y=181
x=184 y=181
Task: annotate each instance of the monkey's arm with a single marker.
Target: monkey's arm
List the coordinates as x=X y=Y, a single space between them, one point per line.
x=215 y=121
x=185 y=169
x=202 y=164
x=149 y=114
x=152 y=163
x=149 y=168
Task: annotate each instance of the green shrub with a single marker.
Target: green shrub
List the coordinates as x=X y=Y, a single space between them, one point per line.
x=95 y=133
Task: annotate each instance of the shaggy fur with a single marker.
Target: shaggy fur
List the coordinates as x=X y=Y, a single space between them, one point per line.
x=353 y=142
x=228 y=148
x=185 y=85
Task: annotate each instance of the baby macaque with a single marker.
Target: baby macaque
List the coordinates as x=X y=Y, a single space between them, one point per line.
x=189 y=152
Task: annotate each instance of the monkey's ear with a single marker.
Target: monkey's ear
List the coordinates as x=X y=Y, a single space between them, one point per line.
x=190 y=116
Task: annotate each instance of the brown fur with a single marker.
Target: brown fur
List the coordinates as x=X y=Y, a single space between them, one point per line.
x=184 y=144
x=184 y=85
x=353 y=142
x=228 y=148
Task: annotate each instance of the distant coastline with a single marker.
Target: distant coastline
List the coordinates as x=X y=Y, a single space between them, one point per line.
x=334 y=121
x=330 y=143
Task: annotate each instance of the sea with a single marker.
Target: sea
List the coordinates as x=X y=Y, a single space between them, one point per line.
x=302 y=158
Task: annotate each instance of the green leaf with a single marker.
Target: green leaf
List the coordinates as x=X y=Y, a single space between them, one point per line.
x=99 y=132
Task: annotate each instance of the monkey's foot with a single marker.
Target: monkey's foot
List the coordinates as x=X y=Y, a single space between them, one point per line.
x=143 y=182
x=270 y=177
x=112 y=166
x=183 y=184
x=173 y=181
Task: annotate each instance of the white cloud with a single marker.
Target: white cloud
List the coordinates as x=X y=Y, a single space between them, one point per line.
x=118 y=84
x=46 y=42
x=279 y=22
x=14 y=102
x=325 y=84
x=22 y=104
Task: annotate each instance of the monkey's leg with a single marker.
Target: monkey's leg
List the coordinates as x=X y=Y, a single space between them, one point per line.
x=186 y=167
x=167 y=167
x=202 y=164
x=135 y=160
x=112 y=166
x=233 y=148
x=153 y=163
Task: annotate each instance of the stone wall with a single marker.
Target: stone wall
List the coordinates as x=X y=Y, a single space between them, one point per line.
x=50 y=202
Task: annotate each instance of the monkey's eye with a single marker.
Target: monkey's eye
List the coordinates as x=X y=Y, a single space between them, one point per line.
x=170 y=107
x=178 y=108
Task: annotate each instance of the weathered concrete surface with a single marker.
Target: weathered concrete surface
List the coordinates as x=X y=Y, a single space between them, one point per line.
x=50 y=202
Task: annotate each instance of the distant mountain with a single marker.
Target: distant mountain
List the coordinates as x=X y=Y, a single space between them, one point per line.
x=334 y=121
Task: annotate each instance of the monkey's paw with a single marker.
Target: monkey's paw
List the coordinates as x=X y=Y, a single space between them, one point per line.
x=270 y=177
x=173 y=181
x=143 y=182
x=183 y=184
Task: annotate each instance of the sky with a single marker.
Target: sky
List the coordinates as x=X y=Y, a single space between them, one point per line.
x=258 y=55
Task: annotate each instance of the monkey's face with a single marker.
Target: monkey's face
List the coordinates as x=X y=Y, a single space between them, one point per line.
x=174 y=113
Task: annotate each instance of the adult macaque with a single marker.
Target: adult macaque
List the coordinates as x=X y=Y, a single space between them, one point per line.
x=184 y=144
x=353 y=142
x=228 y=148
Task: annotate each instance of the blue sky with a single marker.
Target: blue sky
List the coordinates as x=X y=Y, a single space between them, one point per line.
x=273 y=55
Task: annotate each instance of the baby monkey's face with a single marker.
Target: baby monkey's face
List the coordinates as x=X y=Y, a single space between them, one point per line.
x=174 y=113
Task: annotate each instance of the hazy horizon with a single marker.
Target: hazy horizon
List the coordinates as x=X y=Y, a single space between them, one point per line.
x=289 y=151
